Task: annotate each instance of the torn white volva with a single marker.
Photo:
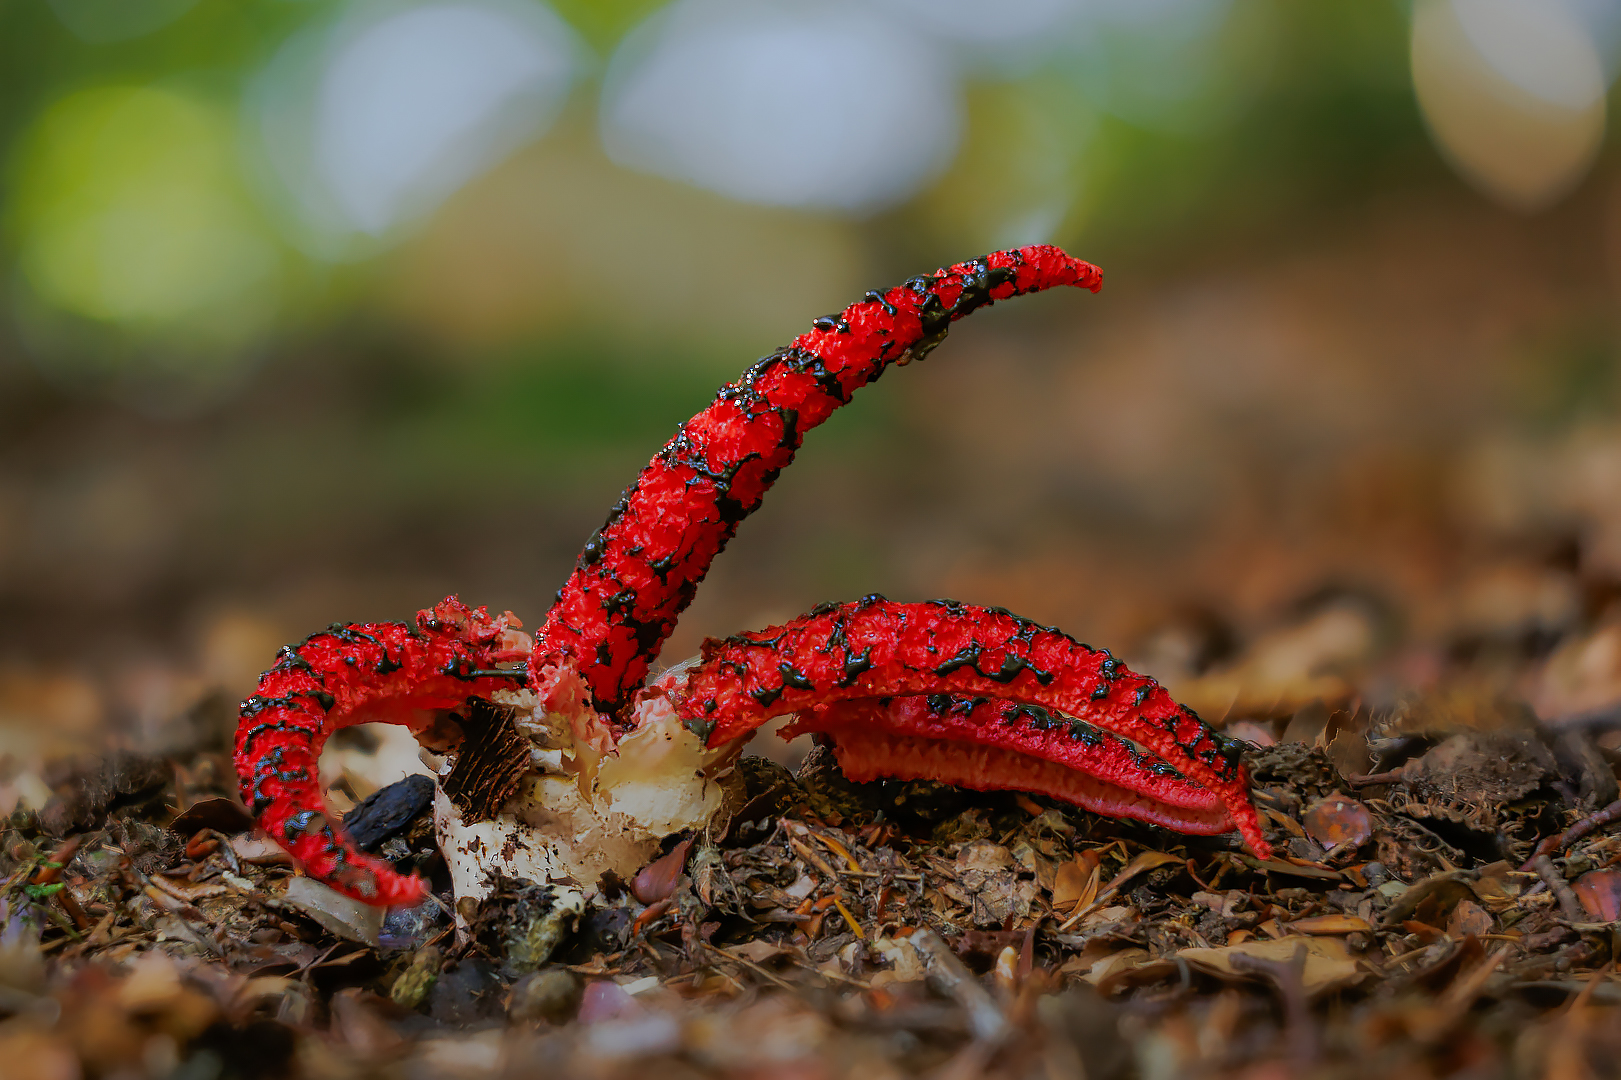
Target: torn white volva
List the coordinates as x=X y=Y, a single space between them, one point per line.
x=579 y=813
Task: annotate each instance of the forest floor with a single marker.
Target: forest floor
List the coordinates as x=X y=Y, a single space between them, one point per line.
x=1311 y=508
x=1410 y=924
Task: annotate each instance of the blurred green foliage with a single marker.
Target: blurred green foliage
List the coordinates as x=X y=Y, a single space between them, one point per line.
x=603 y=22
x=1132 y=147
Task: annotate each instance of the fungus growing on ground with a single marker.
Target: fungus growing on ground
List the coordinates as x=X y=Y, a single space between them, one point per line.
x=569 y=761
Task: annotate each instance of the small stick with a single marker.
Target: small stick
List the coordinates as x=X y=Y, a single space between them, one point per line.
x=1568 y=904
x=946 y=972
x=752 y=966
x=838 y=976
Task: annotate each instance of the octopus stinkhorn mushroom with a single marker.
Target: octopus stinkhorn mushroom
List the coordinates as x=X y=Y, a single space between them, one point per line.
x=972 y=696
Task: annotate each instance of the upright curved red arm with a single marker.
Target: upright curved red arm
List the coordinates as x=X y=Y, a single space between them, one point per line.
x=640 y=570
x=875 y=648
x=355 y=674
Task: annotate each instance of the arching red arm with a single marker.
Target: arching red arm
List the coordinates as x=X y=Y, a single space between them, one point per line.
x=356 y=674
x=992 y=744
x=640 y=570
x=874 y=648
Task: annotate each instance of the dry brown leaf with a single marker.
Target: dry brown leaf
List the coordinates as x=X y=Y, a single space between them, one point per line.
x=259 y=850
x=1115 y=964
x=1092 y=953
x=758 y=950
x=1495 y=889
x=1075 y=885
x=905 y=964
x=1432 y=898
x=1600 y=894
x=1283 y=671
x=1145 y=861
x=1469 y=918
x=1330 y=924
x=336 y=912
x=1329 y=964
x=1294 y=868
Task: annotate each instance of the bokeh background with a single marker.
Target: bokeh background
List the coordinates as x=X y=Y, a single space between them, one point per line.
x=315 y=310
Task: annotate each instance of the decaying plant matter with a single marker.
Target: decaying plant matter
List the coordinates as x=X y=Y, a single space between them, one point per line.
x=969 y=695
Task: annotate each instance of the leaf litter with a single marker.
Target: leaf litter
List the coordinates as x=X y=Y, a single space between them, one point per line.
x=824 y=928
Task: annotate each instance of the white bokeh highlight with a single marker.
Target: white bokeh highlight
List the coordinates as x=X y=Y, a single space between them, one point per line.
x=823 y=106
x=1513 y=92
x=1538 y=45
x=371 y=123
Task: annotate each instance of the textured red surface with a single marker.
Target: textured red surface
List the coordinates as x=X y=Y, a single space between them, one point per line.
x=996 y=744
x=875 y=648
x=640 y=570
x=363 y=673
x=870 y=753
x=969 y=695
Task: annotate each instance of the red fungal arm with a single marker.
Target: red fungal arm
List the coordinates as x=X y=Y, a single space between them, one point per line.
x=875 y=648
x=362 y=673
x=639 y=571
x=995 y=744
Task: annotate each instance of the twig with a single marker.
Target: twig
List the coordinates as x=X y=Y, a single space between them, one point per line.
x=835 y=975
x=946 y=972
x=752 y=966
x=1385 y=965
x=1596 y=820
x=1568 y=904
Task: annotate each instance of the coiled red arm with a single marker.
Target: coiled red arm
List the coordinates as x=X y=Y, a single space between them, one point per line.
x=639 y=571
x=355 y=674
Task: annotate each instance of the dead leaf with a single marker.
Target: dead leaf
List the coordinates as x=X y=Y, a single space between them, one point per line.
x=1329 y=924
x=1116 y=964
x=490 y=762
x=347 y=918
x=759 y=950
x=905 y=964
x=1437 y=895
x=1293 y=867
x=658 y=879
x=1329 y=964
x=1145 y=861
x=219 y=813
x=1076 y=883
x=1469 y=918
x=259 y=850
x=988 y=884
x=1600 y=894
